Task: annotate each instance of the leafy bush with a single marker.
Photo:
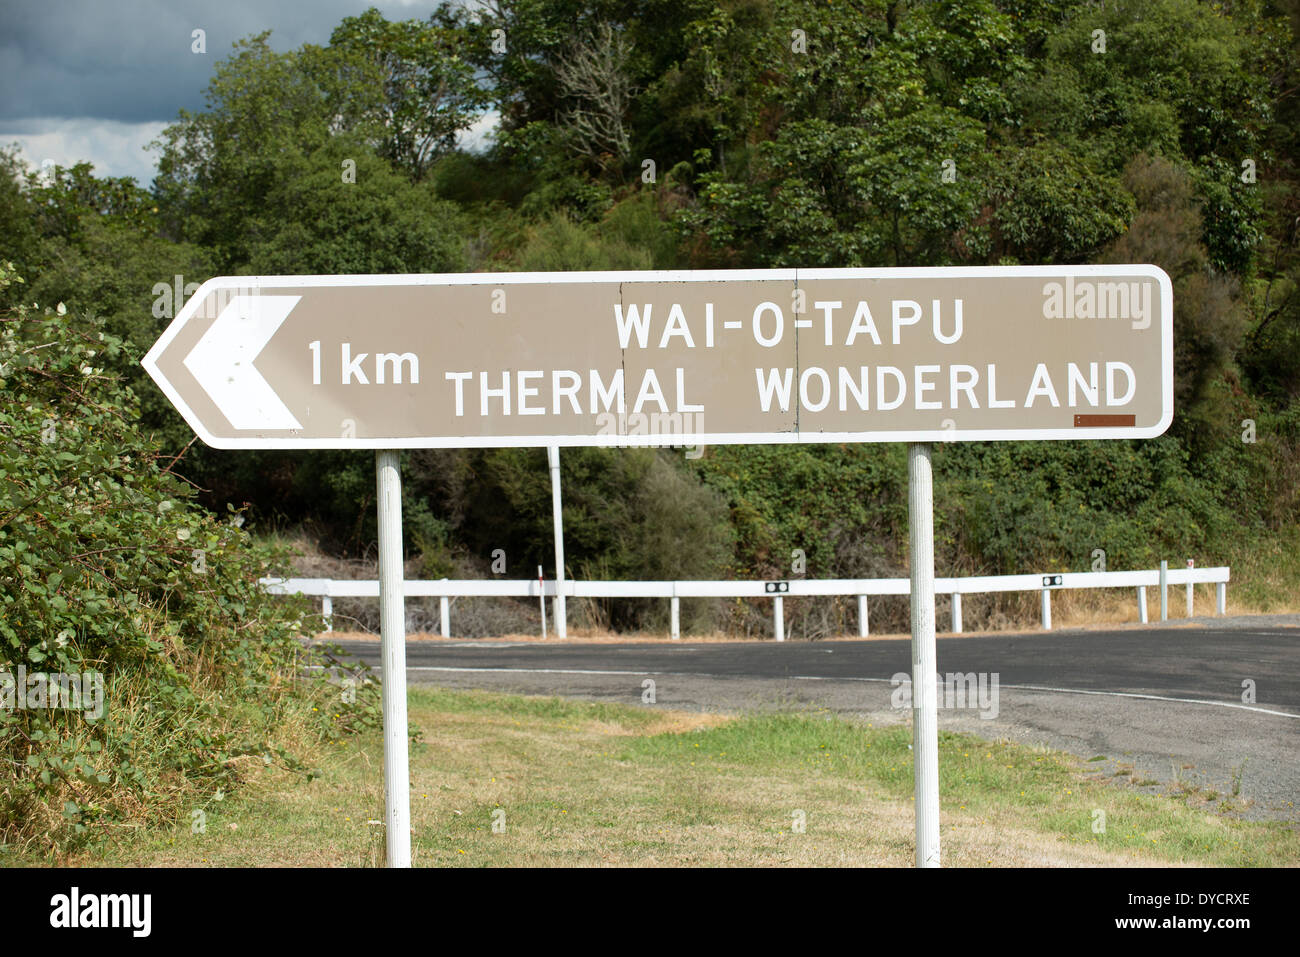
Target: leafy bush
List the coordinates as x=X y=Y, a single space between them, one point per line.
x=106 y=569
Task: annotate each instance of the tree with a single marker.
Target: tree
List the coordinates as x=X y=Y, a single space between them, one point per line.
x=429 y=89
x=264 y=111
x=1171 y=78
x=229 y=175
x=1208 y=317
x=1271 y=352
x=593 y=79
x=314 y=221
x=1051 y=205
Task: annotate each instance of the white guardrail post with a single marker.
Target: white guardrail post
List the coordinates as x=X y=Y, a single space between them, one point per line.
x=327 y=611
x=1047 y=609
x=778 y=618
x=1142 y=604
x=1191 y=594
x=1164 y=590
x=676 y=614
x=956 y=612
x=863 y=626
x=1221 y=597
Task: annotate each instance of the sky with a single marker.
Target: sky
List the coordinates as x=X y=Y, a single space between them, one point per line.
x=97 y=80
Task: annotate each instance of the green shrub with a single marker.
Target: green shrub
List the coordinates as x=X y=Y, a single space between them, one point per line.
x=107 y=570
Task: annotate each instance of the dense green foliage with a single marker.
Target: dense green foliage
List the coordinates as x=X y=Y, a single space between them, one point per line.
x=780 y=132
x=108 y=568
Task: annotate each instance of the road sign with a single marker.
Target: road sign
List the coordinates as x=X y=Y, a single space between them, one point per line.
x=691 y=358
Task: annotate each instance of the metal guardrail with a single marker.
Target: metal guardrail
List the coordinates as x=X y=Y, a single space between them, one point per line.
x=445 y=589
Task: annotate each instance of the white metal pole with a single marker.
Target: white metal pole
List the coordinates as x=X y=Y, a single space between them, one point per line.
x=557 y=606
x=444 y=616
x=327 y=610
x=925 y=719
x=956 y=612
x=863 y=624
x=778 y=618
x=1191 y=595
x=541 y=597
x=1164 y=590
x=1047 y=609
x=392 y=630
x=1221 y=597
x=676 y=615
x=1142 y=604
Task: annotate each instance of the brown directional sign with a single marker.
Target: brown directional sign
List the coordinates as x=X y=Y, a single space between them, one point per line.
x=690 y=358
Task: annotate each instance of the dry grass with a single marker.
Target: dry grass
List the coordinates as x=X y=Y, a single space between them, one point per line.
x=171 y=793
x=601 y=785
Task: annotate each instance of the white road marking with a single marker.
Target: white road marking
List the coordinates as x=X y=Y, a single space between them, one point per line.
x=697 y=674
x=1158 y=697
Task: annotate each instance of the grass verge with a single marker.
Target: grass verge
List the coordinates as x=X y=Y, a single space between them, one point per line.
x=583 y=784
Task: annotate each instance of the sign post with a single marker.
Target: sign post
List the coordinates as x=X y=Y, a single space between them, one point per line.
x=557 y=517
x=392 y=636
x=925 y=718
x=618 y=359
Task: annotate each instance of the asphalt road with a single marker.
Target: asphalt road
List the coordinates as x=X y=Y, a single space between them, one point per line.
x=1167 y=701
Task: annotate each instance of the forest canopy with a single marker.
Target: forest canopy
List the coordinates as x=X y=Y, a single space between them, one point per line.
x=638 y=134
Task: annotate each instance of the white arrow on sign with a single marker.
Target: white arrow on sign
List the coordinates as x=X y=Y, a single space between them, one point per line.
x=222 y=362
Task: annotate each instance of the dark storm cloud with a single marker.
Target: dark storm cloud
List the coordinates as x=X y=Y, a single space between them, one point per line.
x=131 y=60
